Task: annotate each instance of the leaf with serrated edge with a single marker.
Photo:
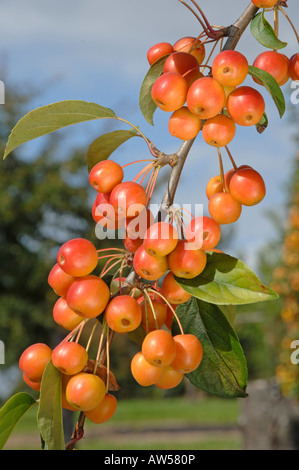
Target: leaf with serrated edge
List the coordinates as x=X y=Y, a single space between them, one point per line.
x=271 y=86
x=50 y=118
x=227 y=281
x=49 y=416
x=223 y=369
x=11 y=413
x=101 y=148
x=264 y=33
x=146 y=103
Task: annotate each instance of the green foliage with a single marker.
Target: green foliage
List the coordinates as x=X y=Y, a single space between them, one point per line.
x=271 y=86
x=264 y=33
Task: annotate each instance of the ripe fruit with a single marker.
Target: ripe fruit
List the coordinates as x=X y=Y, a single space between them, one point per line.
x=77 y=257
x=189 y=353
x=219 y=130
x=34 y=385
x=245 y=106
x=160 y=239
x=206 y=97
x=59 y=280
x=69 y=357
x=158 y=50
x=170 y=378
x=173 y=292
x=158 y=348
x=125 y=196
x=186 y=263
x=149 y=267
x=293 y=69
x=275 y=63
x=143 y=372
x=169 y=91
x=230 y=68
x=214 y=185
x=191 y=45
x=264 y=3
x=224 y=209
x=34 y=360
x=123 y=314
x=85 y=391
x=88 y=296
x=105 y=175
x=104 y=411
x=183 y=124
x=64 y=316
x=192 y=75
x=203 y=233
x=248 y=187
x=153 y=320
x=180 y=62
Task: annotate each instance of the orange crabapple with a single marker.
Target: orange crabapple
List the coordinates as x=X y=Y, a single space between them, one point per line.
x=85 y=391
x=169 y=91
x=191 y=45
x=33 y=385
x=59 y=280
x=219 y=130
x=149 y=267
x=246 y=106
x=189 y=353
x=88 y=296
x=105 y=175
x=64 y=316
x=125 y=195
x=186 y=263
x=230 y=68
x=293 y=68
x=203 y=233
x=264 y=3
x=159 y=50
x=173 y=292
x=224 y=209
x=214 y=185
x=104 y=411
x=275 y=63
x=183 y=124
x=160 y=239
x=180 y=62
x=170 y=378
x=206 y=97
x=77 y=257
x=33 y=361
x=69 y=357
x=158 y=348
x=248 y=187
x=123 y=314
x=143 y=372
x=154 y=314
x=192 y=75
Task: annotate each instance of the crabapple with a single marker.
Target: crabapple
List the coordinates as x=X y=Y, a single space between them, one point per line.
x=34 y=360
x=143 y=372
x=85 y=391
x=206 y=97
x=219 y=130
x=103 y=213
x=160 y=239
x=149 y=267
x=105 y=175
x=159 y=50
x=264 y=3
x=189 y=353
x=191 y=45
x=248 y=187
x=230 y=68
x=88 y=296
x=104 y=411
x=293 y=69
x=123 y=314
x=59 y=280
x=224 y=209
x=203 y=233
x=154 y=314
x=186 y=263
x=214 y=185
x=170 y=378
x=77 y=257
x=183 y=124
x=275 y=63
x=180 y=62
x=69 y=357
x=34 y=385
x=158 y=348
x=173 y=292
x=246 y=106
x=125 y=195
x=169 y=91
x=132 y=244
x=64 y=316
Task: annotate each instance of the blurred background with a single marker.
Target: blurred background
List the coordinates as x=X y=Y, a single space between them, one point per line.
x=96 y=51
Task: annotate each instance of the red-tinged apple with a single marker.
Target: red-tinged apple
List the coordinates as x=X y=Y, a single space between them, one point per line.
x=159 y=50
x=169 y=91
x=206 y=97
x=219 y=130
x=183 y=124
x=230 y=68
x=245 y=106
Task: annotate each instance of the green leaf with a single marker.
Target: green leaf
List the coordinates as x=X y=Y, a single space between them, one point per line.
x=263 y=124
x=53 y=117
x=271 y=86
x=11 y=413
x=227 y=281
x=49 y=416
x=223 y=369
x=264 y=33
x=146 y=103
x=104 y=146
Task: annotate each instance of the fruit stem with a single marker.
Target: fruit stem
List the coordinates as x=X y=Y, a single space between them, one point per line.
x=103 y=333
x=104 y=272
x=221 y=169
x=152 y=309
x=107 y=360
x=138 y=161
x=171 y=308
x=231 y=158
x=91 y=335
x=292 y=25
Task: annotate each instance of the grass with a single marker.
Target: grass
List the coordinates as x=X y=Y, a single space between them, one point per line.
x=130 y=427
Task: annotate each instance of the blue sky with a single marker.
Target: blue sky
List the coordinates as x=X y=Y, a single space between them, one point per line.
x=95 y=50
